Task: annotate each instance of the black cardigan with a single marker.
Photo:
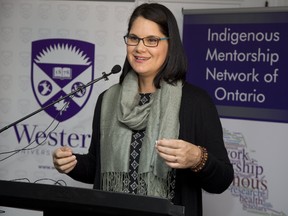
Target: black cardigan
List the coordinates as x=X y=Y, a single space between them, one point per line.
x=200 y=125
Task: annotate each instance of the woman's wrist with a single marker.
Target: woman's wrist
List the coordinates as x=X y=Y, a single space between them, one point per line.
x=203 y=159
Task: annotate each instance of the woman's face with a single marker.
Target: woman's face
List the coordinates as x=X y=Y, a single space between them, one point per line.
x=146 y=61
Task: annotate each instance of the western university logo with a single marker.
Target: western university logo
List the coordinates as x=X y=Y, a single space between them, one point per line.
x=59 y=67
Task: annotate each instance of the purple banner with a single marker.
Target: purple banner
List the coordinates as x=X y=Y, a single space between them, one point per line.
x=242 y=65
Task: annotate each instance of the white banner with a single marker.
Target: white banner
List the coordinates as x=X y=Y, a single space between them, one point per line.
x=48 y=49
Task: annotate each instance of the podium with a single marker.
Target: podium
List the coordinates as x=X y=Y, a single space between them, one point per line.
x=64 y=200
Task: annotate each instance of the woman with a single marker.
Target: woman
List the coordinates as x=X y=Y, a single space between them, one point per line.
x=153 y=133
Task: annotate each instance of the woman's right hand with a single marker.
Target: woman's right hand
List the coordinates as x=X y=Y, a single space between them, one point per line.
x=63 y=159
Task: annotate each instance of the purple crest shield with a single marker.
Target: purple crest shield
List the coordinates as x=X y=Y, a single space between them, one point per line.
x=59 y=67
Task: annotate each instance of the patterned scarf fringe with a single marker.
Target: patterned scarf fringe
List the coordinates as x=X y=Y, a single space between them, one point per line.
x=148 y=184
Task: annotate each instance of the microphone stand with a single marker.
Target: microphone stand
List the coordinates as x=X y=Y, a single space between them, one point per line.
x=104 y=76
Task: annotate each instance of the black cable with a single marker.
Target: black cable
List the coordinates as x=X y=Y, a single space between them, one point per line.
x=55 y=182
x=60 y=182
x=21 y=179
x=13 y=152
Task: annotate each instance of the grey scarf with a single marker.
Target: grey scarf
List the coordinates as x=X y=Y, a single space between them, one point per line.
x=120 y=115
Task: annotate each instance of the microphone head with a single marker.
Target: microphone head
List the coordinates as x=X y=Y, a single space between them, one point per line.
x=116 y=69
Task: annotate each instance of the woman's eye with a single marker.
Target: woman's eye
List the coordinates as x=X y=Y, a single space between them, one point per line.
x=152 y=40
x=133 y=38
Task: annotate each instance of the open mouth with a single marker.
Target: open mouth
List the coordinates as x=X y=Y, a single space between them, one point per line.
x=140 y=58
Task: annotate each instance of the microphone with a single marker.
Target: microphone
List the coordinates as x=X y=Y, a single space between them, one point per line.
x=114 y=70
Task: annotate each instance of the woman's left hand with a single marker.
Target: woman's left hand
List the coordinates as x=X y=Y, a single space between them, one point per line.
x=178 y=153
